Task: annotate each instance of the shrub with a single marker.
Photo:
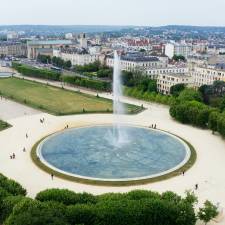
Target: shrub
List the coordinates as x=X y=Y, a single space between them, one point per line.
x=81 y=214
x=11 y=186
x=66 y=197
x=28 y=212
x=88 y=83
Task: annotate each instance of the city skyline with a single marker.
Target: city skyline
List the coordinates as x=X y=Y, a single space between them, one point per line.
x=100 y=12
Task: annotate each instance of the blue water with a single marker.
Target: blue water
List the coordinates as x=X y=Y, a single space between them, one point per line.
x=89 y=152
x=5 y=74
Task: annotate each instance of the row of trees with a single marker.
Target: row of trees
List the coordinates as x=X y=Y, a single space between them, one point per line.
x=149 y=96
x=56 y=76
x=214 y=94
x=102 y=71
x=189 y=108
x=88 y=83
x=56 y=61
x=64 y=207
x=35 y=72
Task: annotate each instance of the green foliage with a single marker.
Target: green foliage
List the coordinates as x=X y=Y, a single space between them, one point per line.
x=92 y=67
x=208 y=212
x=177 y=89
x=88 y=83
x=3 y=125
x=81 y=214
x=45 y=59
x=222 y=104
x=149 y=96
x=7 y=206
x=214 y=94
x=35 y=72
x=189 y=95
x=179 y=58
x=105 y=72
x=57 y=61
x=11 y=186
x=30 y=212
x=213 y=120
x=191 y=112
x=66 y=197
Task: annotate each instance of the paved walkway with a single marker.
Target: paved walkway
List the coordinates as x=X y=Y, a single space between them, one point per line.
x=207 y=172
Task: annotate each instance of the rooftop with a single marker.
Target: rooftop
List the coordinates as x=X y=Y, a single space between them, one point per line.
x=50 y=42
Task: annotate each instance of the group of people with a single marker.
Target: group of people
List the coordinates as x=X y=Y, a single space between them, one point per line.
x=153 y=126
x=67 y=126
x=13 y=156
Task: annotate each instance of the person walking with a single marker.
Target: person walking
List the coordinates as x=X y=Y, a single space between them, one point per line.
x=52 y=176
x=196 y=186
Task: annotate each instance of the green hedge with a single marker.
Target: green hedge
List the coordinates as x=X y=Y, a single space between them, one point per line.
x=149 y=96
x=88 y=83
x=35 y=72
x=66 y=197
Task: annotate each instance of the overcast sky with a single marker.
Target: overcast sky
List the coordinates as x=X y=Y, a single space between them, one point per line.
x=113 y=12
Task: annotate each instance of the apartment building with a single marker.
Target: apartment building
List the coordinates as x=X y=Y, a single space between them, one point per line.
x=132 y=62
x=174 y=48
x=13 y=48
x=77 y=56
x=166 y=81
x=153 y=73
x=206 y=75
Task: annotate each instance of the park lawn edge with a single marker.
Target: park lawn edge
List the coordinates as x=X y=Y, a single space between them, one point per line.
x=188 y=165
x=136 y=110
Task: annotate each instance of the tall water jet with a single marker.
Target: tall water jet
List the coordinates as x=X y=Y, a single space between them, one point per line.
x=119 y=133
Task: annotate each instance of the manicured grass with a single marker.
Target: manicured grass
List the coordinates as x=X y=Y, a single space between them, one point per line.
x=177 y=172
x=3 y=125
x=55 y=100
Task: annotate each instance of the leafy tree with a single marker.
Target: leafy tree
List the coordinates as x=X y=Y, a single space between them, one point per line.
x=176 y=89
x=66 y=197
x=179 y=58
x=189 y=95
x=222 y=104
x=208 y=212
x=30 y=212
x=213 y=121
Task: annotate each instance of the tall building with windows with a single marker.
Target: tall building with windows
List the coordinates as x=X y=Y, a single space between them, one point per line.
x=34 y=48
x=166 y=81
x=206 y=75
x=132 y=62
x=174 y=48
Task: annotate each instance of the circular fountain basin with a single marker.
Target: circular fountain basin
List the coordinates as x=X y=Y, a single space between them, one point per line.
x=89 y=153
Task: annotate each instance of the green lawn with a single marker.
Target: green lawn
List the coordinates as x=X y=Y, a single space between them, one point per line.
x=55 y=100
x=3 y=125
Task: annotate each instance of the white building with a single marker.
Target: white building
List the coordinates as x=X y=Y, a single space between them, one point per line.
x=153 y=73
x=132 y=62
x=76 y=56
x=206 y=75
x=12 y=35
x=173 y=48
x=166 y=81
x=69 y=36
x=13 y=48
